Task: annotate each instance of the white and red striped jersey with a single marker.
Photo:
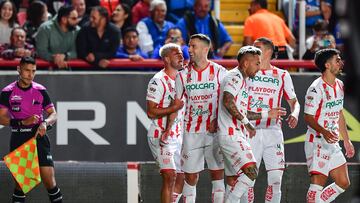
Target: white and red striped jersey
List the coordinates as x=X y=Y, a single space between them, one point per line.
x=235 y=84
x=266 y=90
x=325 y=102
x=201 y=92
x=161 y=90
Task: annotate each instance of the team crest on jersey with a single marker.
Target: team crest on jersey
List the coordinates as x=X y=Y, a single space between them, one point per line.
x=328 y=97
x=16 y=98
x=249 y=155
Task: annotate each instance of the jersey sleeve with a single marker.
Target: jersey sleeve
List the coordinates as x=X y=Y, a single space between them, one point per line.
x=312 y=100
x=289 y=91
x=46 y=100
x=155 y=91
x=233 y=84
x=4 y=99
x=179 y=86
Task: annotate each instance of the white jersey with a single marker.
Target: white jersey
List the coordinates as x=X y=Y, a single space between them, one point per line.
x=266 y=90
x=201 y=92
x=235 y=84
x=325 y=103
x=161 y=90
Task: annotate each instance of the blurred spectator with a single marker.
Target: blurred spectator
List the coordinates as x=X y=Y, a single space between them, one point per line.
x=140 y=11
x=121 y=17
x=8 y=18
x=97 y=41
x=54 y=5
x=18 y=47
x=55 y=40
x=263 y=23
x=130 y=49
x=80 y=7
x=152 y=30
x=201 y=21
x=320 y=40
x=173 y=36
x=176 y=9
x=36 y=14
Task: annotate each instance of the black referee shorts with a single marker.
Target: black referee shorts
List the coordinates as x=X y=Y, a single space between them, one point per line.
x=21 y=135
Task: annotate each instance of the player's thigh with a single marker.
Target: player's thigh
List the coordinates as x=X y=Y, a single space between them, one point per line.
x=213 y=155
x=274 y=157
x=192 y=161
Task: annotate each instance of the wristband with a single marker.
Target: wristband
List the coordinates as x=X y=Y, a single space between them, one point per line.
x=15 y=122
x=46 y=123
x=264 y=114
x=244 y=120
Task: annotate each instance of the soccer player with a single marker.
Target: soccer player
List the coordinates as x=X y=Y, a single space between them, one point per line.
x=22 y=104
x=266 y=91
x=326 y=122
x=199 y=84
x=240 y=163
x=165 y=138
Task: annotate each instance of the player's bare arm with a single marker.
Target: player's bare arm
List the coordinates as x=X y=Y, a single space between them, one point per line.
x=349 y=148
x=169 y=123
x=50 y=120
x=154 y=112
x=292 y=120
x=273 y=113
x=330 y=137
x=229 y=103
x=4 y=117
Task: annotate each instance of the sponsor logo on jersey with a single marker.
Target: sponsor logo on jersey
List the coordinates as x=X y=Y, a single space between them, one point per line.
x=244 y=94
x=199 y=111
x=262 y=90
x=201 y=97
x=258 y=104
x=334 y=103
x=16 y=98
x=200 y=86
x=265 y=79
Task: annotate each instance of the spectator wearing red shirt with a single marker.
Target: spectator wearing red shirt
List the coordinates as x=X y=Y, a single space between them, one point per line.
x=140 y=11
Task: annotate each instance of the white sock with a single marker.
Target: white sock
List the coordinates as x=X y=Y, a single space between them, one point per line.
x=189 y=193
x=218 y=191
x=273 y=191
x=330 y=193
x=313 y=194
x=248 y=197
x=241 y=186
x=176 y=197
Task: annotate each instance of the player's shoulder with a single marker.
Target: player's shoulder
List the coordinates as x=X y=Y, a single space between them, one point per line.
x=340 y=82
x=217 y=66
x=10 y=87
x=315 y=86
x=234 y=73
x=38 y=86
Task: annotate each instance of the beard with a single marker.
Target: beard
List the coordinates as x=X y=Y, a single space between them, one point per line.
x=71 y=27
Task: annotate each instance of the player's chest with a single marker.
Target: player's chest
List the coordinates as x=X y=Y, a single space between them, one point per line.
x=25 y=101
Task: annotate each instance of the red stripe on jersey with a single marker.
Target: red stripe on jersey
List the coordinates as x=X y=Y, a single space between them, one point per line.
x=199 y=121
x=311 y=138
x=199 y=72
x=340 y=86
x=259 y=110
x=160 y=120
x=275 y=72
x=208 y=121
x=249 y=103
x=188 y=125
x=334 y=88
x=211 y=75
x=231 y=131
x=268 y=122
x=317 y=114
x=156 y=134
x=263 y=72
x=281 y=92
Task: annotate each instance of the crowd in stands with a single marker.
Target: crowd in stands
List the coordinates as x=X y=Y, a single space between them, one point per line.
x=98 y=30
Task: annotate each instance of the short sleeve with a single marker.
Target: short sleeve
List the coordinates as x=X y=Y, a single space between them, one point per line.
x=46 y=100
x=233 y=83
x=312 y=100
x=289 y=91
x=155 y=91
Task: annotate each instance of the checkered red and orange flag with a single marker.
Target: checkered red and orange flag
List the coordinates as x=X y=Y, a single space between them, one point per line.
x=23 y=163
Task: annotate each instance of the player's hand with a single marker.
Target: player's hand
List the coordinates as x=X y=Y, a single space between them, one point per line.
x=213 y=126
x=90 y=57
x=349 y=148
x=103 y=63
x=292 y=121
x=177 y=105
x=277 y=113
x=41 y=129
x=330 y=137
x=34 y=119
x=251 y=130
x=164 y=136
